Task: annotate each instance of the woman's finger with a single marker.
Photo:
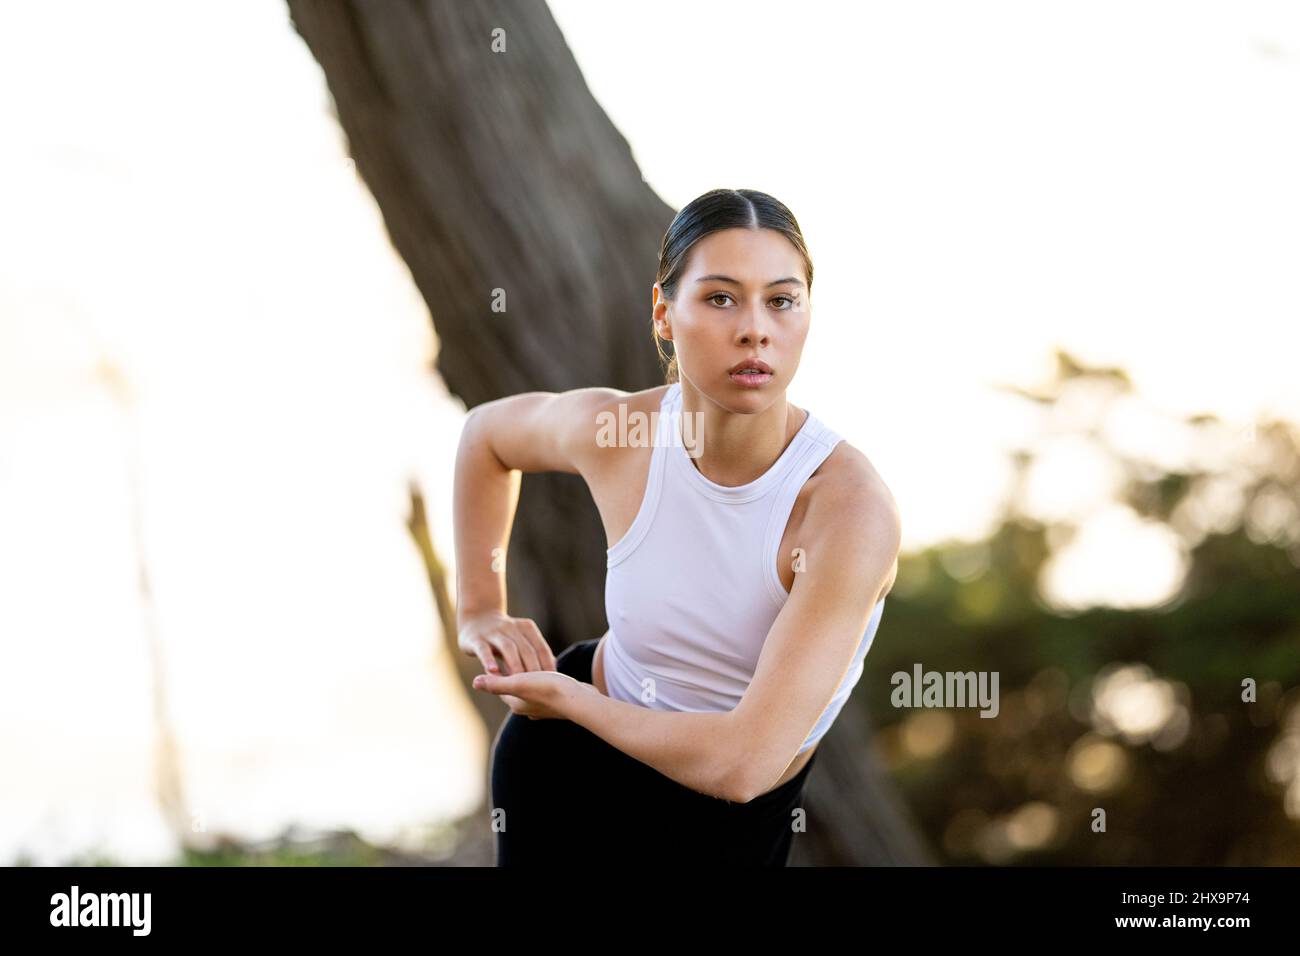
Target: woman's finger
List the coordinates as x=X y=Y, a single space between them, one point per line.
x=545 y=656
x=494 y=685
x=517 y=706
x=505 y=645
x=527 y=648
x=483 y=651
x=515 y=685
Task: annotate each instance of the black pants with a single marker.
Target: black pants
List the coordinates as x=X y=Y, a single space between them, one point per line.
x=562 y=796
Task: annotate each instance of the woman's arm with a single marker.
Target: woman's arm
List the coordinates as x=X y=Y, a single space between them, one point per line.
x=694 y=749
x=533 y=431
x=484 y=496
x=851 y=536
x=698 y=750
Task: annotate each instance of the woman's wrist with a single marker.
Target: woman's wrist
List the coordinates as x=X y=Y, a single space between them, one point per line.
x=570 y=697
x=466 y=613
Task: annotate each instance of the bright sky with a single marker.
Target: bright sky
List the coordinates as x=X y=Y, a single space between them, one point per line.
x=978 y=185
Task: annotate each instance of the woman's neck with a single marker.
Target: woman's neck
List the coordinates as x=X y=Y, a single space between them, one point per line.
x=732 y=448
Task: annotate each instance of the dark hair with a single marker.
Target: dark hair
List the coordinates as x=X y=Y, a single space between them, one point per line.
x=714 y=210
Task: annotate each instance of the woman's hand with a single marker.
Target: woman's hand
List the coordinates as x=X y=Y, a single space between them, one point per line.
x=535 y=694
x=516 y=639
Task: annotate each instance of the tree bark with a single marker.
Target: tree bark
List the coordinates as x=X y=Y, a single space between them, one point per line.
x=530 y=233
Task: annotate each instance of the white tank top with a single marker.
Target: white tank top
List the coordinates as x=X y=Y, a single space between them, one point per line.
x=691 y=590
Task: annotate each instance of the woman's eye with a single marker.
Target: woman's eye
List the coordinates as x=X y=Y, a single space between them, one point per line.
x=790 y=302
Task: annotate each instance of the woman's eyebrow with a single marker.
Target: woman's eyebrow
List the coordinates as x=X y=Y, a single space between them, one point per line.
x=721 y=278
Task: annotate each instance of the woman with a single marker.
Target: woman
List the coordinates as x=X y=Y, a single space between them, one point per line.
x=752 y=551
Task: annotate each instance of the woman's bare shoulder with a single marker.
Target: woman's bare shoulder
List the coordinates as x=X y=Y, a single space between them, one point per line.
x=846 y=488
x=647 y=399
x=610 y=420
x=566 y=431
x=847 y=474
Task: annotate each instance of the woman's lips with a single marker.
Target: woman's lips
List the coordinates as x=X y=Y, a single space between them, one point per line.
x=751 y=379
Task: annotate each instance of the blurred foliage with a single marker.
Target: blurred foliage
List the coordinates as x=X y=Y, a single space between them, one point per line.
x=1205 y=780
x=295 y=847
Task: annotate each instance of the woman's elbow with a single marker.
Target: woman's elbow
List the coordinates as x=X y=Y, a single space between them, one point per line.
x=747 y=777
x=733 y=786
x=715 y=776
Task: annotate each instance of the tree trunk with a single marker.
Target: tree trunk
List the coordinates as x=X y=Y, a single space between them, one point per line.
x=531 y=235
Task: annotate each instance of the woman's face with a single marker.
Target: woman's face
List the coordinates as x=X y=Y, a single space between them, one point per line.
x=743 y=295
